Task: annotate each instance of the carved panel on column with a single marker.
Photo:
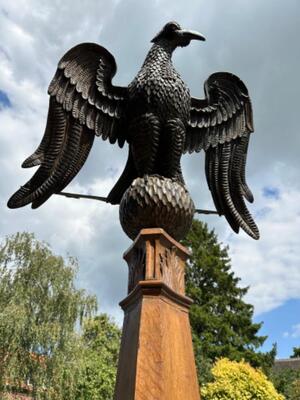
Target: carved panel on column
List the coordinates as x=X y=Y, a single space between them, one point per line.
x=136 y=265
x=155 y=255
x=172 y=269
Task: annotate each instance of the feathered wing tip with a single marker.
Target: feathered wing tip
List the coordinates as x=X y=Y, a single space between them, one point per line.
x=123 y=183
x=221 y=124
x=67 y=151
x=38 y=156
x=245 y=188
x=34 y=160
x=225 y=176
x=83 y=103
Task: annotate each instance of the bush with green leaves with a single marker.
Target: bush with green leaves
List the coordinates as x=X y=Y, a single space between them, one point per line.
x=294 y=390
x=101 y=342
x=287 y=382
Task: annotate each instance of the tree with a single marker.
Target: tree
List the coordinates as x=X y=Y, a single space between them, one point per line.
x=101 y=342
x=296 y=352
x=221 y=321
x=39 y=307
x=238 y=380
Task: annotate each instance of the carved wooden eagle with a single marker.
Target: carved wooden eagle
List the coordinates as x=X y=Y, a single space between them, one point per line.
x=155 y=115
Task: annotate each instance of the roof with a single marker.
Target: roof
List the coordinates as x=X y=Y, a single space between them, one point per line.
x=287 y=363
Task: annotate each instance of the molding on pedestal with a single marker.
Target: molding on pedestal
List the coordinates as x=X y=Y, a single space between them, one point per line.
x=155 y=288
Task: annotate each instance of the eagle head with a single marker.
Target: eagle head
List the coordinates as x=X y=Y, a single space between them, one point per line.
x=175 y=35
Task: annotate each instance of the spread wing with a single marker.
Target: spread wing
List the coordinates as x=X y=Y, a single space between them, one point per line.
x=83 y=103
x=221 y=125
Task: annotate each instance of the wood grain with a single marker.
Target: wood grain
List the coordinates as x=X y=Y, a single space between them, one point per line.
x=156 y=359
x=155 y=255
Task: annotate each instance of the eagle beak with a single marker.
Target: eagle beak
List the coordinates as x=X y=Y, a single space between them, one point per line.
x=191 y=35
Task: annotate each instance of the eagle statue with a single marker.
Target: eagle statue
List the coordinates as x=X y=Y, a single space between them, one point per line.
x=159 y=120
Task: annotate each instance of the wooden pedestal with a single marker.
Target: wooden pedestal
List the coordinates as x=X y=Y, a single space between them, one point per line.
x=156 y=357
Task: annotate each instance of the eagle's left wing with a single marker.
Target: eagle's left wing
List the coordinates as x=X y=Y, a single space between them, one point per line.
x=221 y=125
x=83 y=104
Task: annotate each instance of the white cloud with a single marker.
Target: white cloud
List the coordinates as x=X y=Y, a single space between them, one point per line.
x=271 y=266
x=294 y=333
x=34 y=35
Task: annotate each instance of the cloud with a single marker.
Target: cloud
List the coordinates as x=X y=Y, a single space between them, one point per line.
x=271 y=266
x=295 y=332
x=243 y=37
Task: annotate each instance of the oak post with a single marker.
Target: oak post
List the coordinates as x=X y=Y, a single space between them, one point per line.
x=156 y=358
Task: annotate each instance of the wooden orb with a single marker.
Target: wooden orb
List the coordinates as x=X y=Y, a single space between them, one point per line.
x=156 y=202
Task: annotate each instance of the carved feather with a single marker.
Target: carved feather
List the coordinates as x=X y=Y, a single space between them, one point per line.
x=83 y=102
x=158 y=119
x=221 y=125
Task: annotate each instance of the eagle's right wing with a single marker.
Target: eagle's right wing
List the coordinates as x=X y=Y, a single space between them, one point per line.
x=83 y=103
x=221 y=125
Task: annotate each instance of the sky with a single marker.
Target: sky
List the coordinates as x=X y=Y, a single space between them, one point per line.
x=256 y=40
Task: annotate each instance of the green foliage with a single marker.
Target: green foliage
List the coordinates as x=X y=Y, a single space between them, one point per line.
x=101 y=342
x=296 y=352
x=39 y=307
x=294 y=390
x=286 y=381
x=221 y=321
x=238 y=380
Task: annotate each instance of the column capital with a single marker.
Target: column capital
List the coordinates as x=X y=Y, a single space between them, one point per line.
x=155 y=255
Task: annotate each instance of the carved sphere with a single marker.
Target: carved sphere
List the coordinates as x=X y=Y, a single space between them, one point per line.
x=156 y=202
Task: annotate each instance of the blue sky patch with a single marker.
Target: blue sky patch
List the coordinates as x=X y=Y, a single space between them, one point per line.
x=263 y=212
x=4 y=100
x=271 y=192
x=279 y=325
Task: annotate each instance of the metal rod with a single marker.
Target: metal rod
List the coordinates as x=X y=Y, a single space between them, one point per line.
x=200 y=211
x=100 y=198
x=82 y=196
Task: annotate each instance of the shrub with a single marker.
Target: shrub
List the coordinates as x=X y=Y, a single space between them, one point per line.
x=287 y=382
x=238 y=380
x=294 y=390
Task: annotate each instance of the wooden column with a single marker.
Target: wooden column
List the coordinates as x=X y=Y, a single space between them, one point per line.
x=156 y=358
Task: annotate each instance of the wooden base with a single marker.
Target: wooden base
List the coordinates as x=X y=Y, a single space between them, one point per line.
x=156 y=357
